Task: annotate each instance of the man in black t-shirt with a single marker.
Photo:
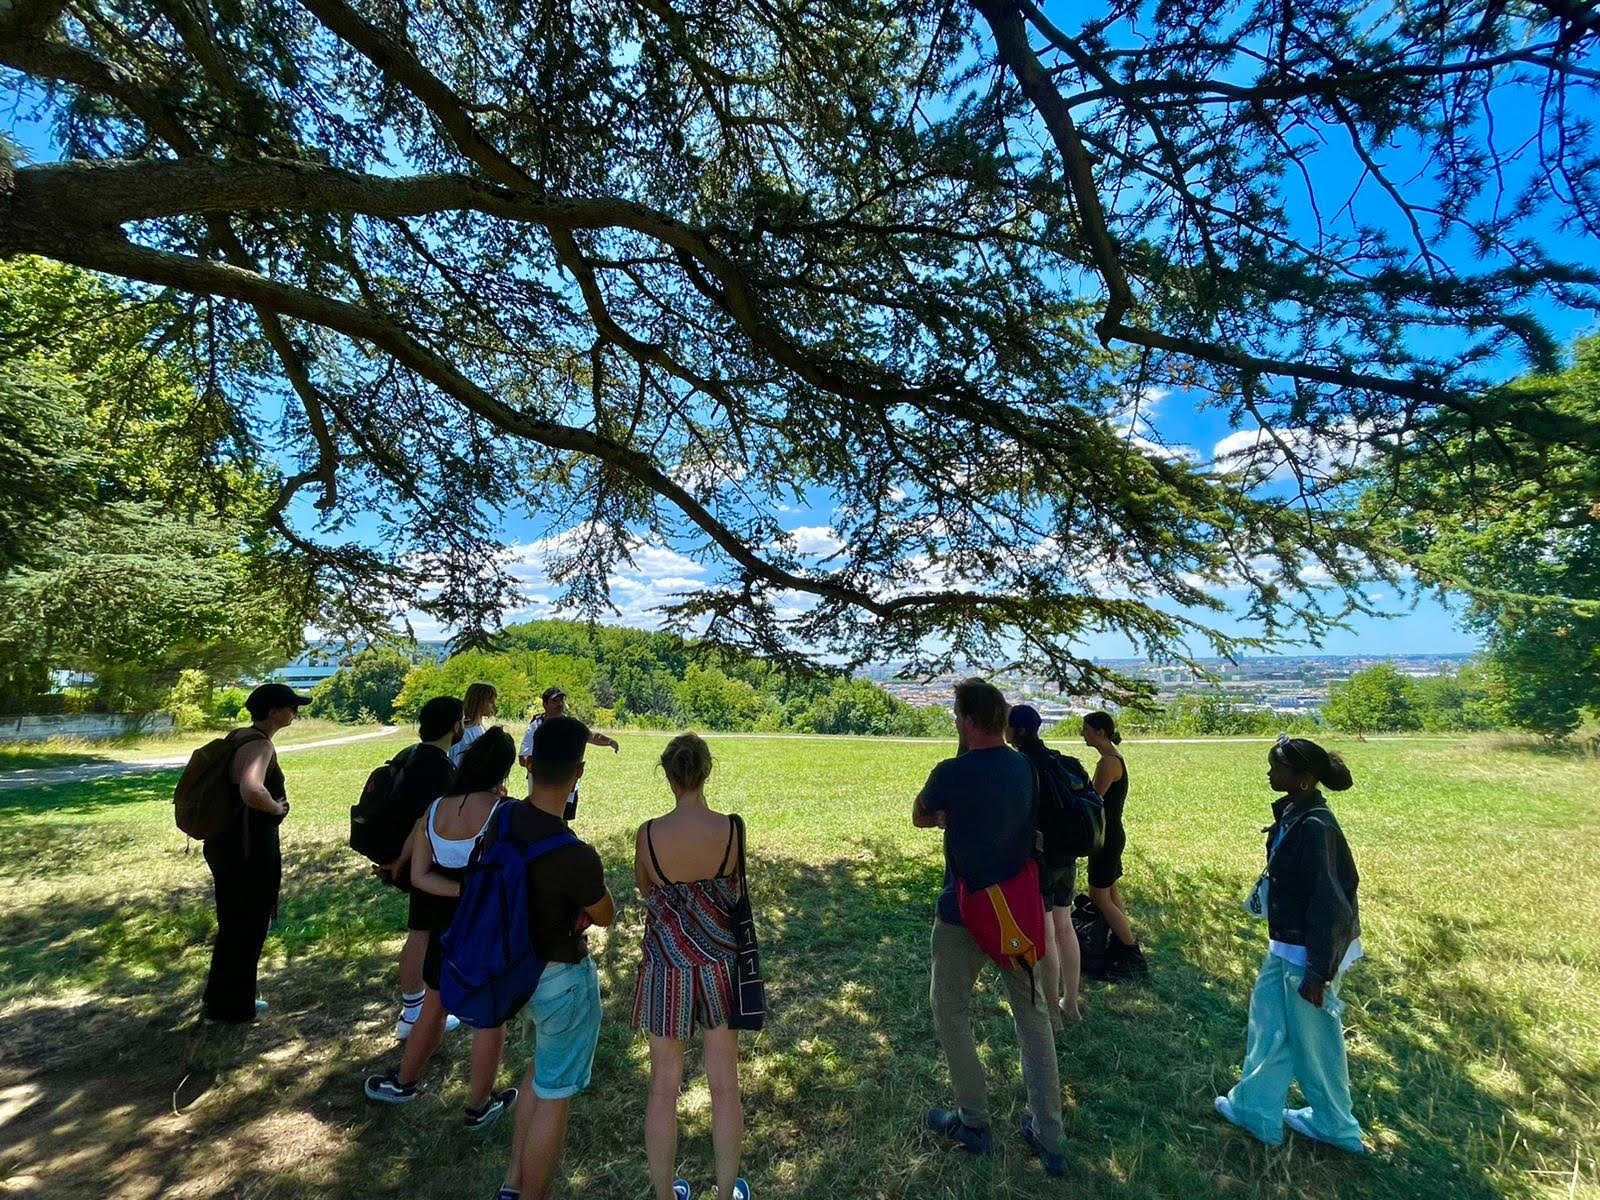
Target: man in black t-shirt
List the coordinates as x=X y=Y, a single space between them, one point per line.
x=566 y=894
x=425 y=772
x=983 y=799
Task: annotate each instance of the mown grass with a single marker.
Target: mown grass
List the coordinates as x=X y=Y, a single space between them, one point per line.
x=72 y=751
x=1474 y=1023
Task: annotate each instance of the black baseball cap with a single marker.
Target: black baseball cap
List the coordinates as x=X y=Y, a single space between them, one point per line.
x=550 y=693
x=273 y=695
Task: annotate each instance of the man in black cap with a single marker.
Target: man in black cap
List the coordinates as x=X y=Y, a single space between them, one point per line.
x=555 y=705
x=245 y=864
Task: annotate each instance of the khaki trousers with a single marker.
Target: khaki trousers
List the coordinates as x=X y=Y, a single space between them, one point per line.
x=956 y=963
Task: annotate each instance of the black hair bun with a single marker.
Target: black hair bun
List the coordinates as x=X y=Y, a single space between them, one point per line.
x=1336 y=778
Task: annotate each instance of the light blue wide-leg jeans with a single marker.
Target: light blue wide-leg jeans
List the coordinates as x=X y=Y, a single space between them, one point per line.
x=1290 y=1039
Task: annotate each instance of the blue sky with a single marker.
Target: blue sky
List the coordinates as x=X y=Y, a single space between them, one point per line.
x=1413 y=625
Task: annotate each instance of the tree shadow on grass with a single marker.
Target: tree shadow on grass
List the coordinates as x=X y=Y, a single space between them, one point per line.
x=114 y=1089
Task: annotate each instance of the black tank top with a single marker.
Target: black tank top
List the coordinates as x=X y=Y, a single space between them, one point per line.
x=1117 y=794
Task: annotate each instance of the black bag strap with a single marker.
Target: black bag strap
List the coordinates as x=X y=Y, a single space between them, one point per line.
x=727 y=851
x=744 y=881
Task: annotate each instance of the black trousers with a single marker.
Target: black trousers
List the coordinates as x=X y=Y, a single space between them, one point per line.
x=247 y=897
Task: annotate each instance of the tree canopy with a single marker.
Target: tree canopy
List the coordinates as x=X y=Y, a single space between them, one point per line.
x=122 y=553
x=1525 y=547
x=658 y=268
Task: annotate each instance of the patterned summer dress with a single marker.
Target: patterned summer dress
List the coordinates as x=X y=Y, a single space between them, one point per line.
x=686 y=979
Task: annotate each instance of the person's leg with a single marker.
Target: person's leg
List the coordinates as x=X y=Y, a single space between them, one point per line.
x=411 y=957
x=424 y=1040
x=1105 y=900
x=1316 y=1038
x=541 y=1146
x=1256 y=1101
x=1070 y=967
x=1040 y=1073
x=519 y=1137
x=487 y=1047
x=956 y=963
x=661 y=1113
x=1048 y=971
x=232 y=888
x=727 y=1109
x=566 y=1024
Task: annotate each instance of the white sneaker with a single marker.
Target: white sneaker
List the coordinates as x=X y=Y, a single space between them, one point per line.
x=261 y=1005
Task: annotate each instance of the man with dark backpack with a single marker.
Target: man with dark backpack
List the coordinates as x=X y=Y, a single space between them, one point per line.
x=232 y=795
x=393 y=801
x=990 y=910
x=1071 y=825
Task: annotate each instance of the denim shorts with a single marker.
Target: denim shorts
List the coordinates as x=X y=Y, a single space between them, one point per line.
x=566 y=1025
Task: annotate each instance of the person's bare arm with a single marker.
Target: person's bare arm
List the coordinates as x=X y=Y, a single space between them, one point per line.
x=596 y=738
x=603 y=911
x=921 y=817
x=423 y=877
x=1106 y=772
x=250 y=770
x=641 y=873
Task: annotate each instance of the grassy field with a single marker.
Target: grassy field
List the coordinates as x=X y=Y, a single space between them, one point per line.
x=1474 y=1023
x=66 y=752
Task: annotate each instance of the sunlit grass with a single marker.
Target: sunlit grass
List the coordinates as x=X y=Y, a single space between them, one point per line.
x=1474 y=1024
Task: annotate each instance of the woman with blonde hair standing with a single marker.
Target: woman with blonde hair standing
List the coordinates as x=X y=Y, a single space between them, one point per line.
x=479 y=704
x=686 y=864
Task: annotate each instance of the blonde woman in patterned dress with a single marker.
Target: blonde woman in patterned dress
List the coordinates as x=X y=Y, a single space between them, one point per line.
x=686 y=864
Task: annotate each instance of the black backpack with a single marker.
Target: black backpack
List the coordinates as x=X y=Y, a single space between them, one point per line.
x=1072 y=816
x=382 y=819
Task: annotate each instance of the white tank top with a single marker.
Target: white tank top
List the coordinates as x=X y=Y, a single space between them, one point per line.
x=452 y=853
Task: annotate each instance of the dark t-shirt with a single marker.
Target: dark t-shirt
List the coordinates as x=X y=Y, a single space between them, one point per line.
x=425 y=776
x=561 y=884
x=987 y=799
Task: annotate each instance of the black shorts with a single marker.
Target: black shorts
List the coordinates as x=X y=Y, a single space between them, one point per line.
x=1058 y=883
x=433 y=961
x=428 y=911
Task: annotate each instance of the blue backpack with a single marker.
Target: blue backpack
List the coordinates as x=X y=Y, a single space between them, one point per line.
x=490 y=967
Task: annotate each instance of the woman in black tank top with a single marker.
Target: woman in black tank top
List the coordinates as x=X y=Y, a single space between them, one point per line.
x=1124 y=957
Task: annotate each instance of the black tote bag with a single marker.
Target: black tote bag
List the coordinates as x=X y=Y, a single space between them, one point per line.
x=749 y=992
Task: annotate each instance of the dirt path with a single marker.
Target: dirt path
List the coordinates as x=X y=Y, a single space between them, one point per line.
x=82 y=772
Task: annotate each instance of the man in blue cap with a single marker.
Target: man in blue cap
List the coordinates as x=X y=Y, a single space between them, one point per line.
x=245 y=863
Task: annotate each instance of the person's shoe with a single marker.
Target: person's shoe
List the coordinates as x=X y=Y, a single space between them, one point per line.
x=387 y=1089
x=1054 y=1162
x=261 y=1006
x=681 y=1190
x=947 y=1122
x=1229 y=1114
x=493 y=1108
x=1126 y=962
x=1295 y=1119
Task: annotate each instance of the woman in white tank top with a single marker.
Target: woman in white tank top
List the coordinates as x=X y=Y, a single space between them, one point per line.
x=441 y=847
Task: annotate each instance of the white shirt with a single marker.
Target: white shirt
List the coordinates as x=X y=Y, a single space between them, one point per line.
x=470 y=735
x=527 y=752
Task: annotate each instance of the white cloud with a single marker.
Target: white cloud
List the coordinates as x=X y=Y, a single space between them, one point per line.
x=1261 y=455
x=817 y=541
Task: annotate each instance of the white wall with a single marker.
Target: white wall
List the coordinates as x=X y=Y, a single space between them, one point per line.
x=86 y=725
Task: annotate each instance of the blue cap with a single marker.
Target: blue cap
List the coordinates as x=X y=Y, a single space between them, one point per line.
x=1025 y=717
